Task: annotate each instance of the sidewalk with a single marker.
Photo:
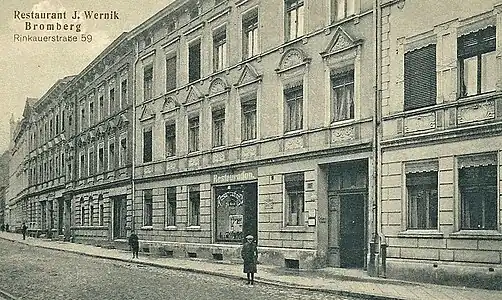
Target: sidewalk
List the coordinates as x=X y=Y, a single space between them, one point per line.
x=331 y=280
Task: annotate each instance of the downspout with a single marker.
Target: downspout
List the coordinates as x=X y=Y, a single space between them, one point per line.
x=373 y=260
x=133 y=158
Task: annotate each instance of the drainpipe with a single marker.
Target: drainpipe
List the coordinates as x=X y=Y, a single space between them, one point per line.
x=133 y=158
x=373 y=261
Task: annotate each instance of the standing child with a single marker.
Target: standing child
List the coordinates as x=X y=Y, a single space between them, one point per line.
x=134 y=243
x=249 y=254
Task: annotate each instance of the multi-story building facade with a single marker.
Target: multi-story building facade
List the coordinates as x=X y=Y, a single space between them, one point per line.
x=255 y=117
x=441 y=149
x=4 y=182
x=102 y=147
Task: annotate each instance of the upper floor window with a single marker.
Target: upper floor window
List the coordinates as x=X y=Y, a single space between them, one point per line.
x=123 y=152
x=91 y=113
x=123 y=93
x=148 y=83
x=218 y=127
x=343 y=96
x=194 y=61
x=343 y=9
x=248 y=107
x=101 y=158
x=294 y=18
x=112 y=100
x=171 y=73
x=193 y=134
x=220 y=49
x=111 y=155
x=193 y=10
x=478 y=62
x=170 y=139
x=250 y=34
x=420 y=77
x=147 y=145
x=294 y=108
x=422 y=189
x=101 y=112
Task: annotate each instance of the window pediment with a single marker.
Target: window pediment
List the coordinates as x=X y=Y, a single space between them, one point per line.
x=170 y=104
x=340 y=42
x=248 y=75
x=193 y=96
x=217 y=87
x=147 y=113
x=291 y=59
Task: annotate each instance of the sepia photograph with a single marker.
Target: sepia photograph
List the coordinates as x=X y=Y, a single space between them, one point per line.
x=250 y=149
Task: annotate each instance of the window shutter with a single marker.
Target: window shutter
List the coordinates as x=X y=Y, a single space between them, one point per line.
x=420 y=77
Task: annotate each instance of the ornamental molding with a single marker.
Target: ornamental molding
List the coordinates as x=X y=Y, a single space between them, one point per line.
x=420 y=122
x=476 y=112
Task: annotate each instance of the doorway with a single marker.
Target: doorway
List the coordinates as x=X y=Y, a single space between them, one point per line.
x=60 y=216
x=352 y=230
x=119 y=217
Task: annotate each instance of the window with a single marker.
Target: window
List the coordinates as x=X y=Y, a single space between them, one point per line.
x=420 y=77
x=194 y=61
x=249 y=119
x=101 y=214
x=91 y=213
x=343 y=9
x=82 y=118
x=91 y=113
x=111 y=155
x=343 y=96
x=147 y=208
x=477 y=182
x=478 y=62
x=123 y=152
x=101 y=106
x=193 y=134
x=123 y=93
x=294 y=108
x=170 y=139
x=220 y=49
x=91 y=162
x=63 y=121
x=148 y=83
x=294 y=19
x=294 y=198
x=112 y=100
x=171 y=206
x=171 y=74
x=250 y=32
x=82 y=165
x=147 y=145
x=101 y=159
x=422 y=189
x=57 y=124
x=194 y=205
x=82 y=211
x=50 y=129
x=218 y=127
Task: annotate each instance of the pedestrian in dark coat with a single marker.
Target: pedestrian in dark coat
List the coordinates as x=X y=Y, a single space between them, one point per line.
x=2 y=227
x=23 y=230
x=134 y=243
x=7 y=227
x=249 y=254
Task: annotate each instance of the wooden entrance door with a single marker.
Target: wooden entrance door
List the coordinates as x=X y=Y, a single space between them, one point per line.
x=119 y=217
x=352 y=230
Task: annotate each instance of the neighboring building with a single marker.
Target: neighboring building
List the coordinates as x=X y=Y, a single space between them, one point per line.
x=441 y=185
x=4 y=182
x=255 y=117
x=102 y=156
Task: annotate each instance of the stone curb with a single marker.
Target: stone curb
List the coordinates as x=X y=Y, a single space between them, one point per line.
x=220 y=274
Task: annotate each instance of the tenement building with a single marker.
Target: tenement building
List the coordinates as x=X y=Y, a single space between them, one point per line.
x=255 y=117
x=441 y=208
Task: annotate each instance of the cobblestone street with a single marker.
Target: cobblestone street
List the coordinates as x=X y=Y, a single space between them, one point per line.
x=34 y=273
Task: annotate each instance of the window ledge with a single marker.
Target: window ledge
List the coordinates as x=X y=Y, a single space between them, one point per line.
x=193 y=228
x=479 y=234
x=292 y=133
x=171 y=228
x=342 y=122
x=146 y=228
x=421 y=233
x=291 y=228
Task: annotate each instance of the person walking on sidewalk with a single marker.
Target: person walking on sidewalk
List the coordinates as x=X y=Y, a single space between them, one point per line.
x=23 y=230
x=7 y=227
x=134 y=244
x=249 y=254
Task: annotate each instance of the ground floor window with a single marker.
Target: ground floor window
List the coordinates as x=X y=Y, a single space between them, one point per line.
x=478 y=196
x=236 y=211
x=422 y=191
x=194 y=205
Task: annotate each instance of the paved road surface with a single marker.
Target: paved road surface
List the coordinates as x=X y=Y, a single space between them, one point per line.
x=34 y=273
